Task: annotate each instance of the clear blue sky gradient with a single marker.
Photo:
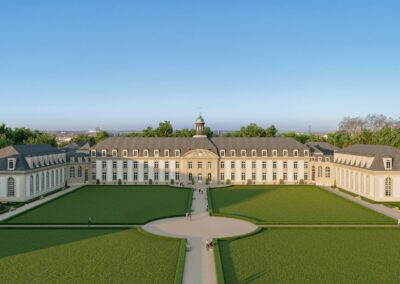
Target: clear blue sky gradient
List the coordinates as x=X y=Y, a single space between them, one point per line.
x=129 y=64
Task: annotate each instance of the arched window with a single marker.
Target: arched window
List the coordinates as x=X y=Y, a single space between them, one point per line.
x=52 y=178
x=42 y=183
x=79 y=171
x=47 y=180
x=388 y=186
x=31 y=190
x=72 y=172
x=327 y=172
x=10 y=187
x=319 y=171
x=313 y=173
x=37 y=183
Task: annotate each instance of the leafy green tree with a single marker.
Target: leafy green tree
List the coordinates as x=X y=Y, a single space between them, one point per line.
x=252 y=130
x=271 y=131
x=164 y=129
x=5 y=141
x=208 y=132
x=41 y=138
x=82 y=137
x=185 y=132
x=100 y=136
x=149 y=132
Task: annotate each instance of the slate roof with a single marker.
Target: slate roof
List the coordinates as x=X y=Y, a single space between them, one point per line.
x=378 y=152
x=185 y=144
x=20 y=152
x=321 y=148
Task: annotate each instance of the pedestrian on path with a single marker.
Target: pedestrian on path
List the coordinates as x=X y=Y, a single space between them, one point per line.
x=190 y=216
x=89 y=222
x=187 y=216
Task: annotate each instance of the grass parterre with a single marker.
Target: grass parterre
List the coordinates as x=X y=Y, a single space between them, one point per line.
x=313 y=255
x=88 y=256
x=283 y=204
x=110 y=204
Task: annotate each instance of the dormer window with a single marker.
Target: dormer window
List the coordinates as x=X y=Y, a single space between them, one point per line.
x=125 y=153
x=11 y=164
x=243 y=153
x=264 y=153
x=93 y=153
x=156 y=153
x=295 y=153
x=135 y=153
x=233 y=153
x=104 y=153
x=114 y=153
x=166 y=153
x=285 y=153
x=253 y=153
x=177 y=153
x=72 y=159
x=274 y=153
x=145 y=153
x=222 y=153
x=388 y=163
x=306 y=153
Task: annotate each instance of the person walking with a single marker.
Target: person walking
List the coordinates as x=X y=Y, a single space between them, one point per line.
x=89 y=221
x=187 y=216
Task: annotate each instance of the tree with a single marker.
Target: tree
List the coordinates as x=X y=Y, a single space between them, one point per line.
x=352 y=125
x=185 y=132
x=38 y=137
x=271 y=131
x=100 y=136
x=164 y=129
x=82 y=137
x=252 y=130
x=208 y=132
x=5 y=141
x=148 y=132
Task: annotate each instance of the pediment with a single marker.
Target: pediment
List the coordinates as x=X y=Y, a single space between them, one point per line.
x=200 y=154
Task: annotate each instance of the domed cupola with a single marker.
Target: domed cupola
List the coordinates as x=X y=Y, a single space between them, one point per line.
x=199 y=127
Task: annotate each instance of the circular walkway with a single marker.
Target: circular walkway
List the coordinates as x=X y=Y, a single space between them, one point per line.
x=199 y=263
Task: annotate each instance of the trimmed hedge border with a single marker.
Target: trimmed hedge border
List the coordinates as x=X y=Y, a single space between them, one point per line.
x=219 y=267
x=218 y=263
x=180 y=268
x=190 y=201
x=3 y=223
x=390 y=220
x=182 y=253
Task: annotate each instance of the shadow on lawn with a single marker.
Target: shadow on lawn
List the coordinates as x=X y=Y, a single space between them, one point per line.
x=23 y=240
x=242 y=193
x=230 y=274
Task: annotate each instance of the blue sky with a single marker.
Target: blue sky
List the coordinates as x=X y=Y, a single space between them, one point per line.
x=129 y=64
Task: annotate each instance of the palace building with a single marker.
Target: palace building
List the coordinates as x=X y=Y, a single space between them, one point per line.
x=372 y=171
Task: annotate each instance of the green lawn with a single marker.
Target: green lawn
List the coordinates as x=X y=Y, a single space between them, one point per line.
x=313 y=255
x=110 y=205
x=291 y=205
x=87 y=256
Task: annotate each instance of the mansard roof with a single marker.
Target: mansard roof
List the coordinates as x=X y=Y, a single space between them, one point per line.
x=29 y=150
x=185 y=144
x=377 y=153
x=20 y=152
x=321 y=148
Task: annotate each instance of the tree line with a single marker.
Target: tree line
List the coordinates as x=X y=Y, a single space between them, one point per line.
x=372 y=129
x=9 y=136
